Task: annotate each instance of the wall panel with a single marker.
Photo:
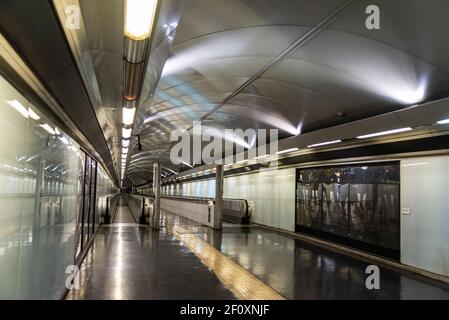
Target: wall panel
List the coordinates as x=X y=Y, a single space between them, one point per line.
x=425 y=213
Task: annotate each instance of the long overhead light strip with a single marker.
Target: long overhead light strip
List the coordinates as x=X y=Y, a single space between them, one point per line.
x=324 y=143
x=287 y=150
x=140 y=17
x=383 y=133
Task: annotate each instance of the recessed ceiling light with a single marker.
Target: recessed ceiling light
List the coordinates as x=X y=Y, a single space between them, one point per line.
x=383 y=133
x=324 y=143
x=287 y=151
x=48 y=128
x=128 y=116
x=19 y=107
x=139 y=18
x=126 y=133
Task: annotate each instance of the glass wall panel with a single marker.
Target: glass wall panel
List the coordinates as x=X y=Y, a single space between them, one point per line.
x=38 y=199
x=80 y=193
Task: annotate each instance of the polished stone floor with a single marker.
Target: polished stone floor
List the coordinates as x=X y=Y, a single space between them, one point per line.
x=128 y=261
x=300 y=270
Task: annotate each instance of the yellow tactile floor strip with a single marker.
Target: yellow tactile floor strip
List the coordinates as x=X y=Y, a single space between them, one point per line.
x=243 y=284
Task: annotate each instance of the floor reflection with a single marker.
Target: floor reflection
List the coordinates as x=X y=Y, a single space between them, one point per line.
x=300 y=270
x=128 y=261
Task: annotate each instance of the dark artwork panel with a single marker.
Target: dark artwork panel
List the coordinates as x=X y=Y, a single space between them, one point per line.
x=309 y=197
x=335 y=208
x=360 y=202
x=374 y=214
x=362 y=226
x=373 y=173
x=387 y=210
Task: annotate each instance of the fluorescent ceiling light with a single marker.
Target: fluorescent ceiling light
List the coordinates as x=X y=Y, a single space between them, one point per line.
x=128 y=116
x=48 y=128
x=33 y=114
x=324 y=143
x=261 y=157
x=125 y=150
x=139 y=18
x=445 y=121
x=57 y=131
x=287 y=151
x=64 y=140
x=125 y=143
x=382 y=133
x=19 y=107
x=126 y=133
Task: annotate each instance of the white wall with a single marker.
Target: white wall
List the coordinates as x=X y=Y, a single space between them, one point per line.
x=425 y=232
x=198 y=212
x=272 y=194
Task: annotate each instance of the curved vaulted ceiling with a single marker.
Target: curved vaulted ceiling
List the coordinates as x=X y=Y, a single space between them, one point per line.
x=293 y=65
x=296 y=65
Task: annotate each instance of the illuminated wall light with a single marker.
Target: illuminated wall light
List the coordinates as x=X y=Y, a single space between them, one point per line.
x=33 y=115
x=47 y=128
x=287 y=151
x=383 y=133
x=126 y=133
x=445 y=121
x=324 y=143
x=19 y=107
x=139 y=18
x=128 y=116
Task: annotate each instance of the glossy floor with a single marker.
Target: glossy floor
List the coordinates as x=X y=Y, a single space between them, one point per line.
x=300 y=270
x=128 y=261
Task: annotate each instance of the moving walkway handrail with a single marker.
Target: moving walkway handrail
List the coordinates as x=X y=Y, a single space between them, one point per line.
x=234 y=210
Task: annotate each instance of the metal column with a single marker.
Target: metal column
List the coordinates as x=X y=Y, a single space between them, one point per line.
x=157 y=196
x=218 y=209
x=38 y=193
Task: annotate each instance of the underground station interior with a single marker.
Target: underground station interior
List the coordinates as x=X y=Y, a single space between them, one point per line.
x=231 y=151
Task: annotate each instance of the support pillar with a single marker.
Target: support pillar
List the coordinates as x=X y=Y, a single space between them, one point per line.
x=40 y=178
x=218 y=208
x=157 y=196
